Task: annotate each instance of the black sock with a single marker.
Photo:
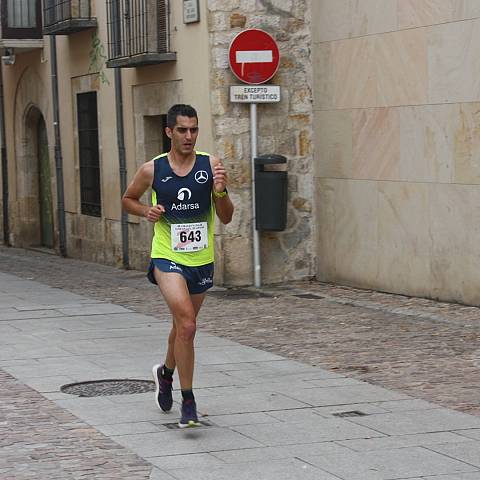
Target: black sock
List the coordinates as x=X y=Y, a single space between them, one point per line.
x=166 y=373
x=187 y=395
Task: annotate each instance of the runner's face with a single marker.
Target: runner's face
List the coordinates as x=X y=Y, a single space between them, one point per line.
x=184 y=134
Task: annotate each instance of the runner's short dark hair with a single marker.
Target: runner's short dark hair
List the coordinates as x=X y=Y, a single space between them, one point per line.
x=182 y=110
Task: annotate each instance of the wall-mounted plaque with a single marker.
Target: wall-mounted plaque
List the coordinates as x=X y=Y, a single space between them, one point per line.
x=191 y=11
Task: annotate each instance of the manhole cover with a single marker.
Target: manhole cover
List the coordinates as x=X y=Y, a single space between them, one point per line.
x=351 y=413
x=239 y=294
x=101 y=388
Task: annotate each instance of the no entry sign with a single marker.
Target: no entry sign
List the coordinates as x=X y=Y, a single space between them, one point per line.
x=254 y=56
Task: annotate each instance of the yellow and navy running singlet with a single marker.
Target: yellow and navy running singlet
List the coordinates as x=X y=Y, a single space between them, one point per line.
x=184 y=233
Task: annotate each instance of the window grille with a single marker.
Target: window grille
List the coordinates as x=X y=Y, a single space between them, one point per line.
x=56 y=11
x=89 y=154
x=137 y=27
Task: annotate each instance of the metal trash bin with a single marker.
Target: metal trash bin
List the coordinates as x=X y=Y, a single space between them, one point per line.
x=271 y=191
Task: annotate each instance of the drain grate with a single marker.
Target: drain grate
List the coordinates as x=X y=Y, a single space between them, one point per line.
x=174 y=426
x=311 y=296
x=239 y=294
x=350 y=413
x=101 y=388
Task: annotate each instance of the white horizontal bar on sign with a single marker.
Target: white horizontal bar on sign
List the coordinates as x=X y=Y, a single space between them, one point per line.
x=254 y=56
x=254 y=93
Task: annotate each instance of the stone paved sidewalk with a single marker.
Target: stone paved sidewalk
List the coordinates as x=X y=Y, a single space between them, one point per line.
x=41 y=441
x=264 y=416
x=424 y=348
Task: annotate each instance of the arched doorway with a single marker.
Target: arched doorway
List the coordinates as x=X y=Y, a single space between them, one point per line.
x=44 y=186
x=34 y=219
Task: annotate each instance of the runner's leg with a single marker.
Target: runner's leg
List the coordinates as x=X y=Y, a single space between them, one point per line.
x=197 y=301
x=170 y=358
x=184 y=309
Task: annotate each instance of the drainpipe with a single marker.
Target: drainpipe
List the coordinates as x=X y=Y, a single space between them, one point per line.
x=122 y=162
x=6 y=225
x=58 y=149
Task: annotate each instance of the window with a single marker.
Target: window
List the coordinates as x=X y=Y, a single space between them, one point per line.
x=89 y=154
x=166 y=142
x=22 y=13
x=21 y=19
x=156 y=140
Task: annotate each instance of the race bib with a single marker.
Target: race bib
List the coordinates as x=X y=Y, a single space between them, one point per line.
x=189 y=237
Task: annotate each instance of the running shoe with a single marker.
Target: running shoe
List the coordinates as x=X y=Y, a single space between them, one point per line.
x=189 y=415
x=163 y=393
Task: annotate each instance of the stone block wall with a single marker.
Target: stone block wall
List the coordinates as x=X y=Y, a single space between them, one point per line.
x=284 y=128
x=397 y=165
x=94 y=239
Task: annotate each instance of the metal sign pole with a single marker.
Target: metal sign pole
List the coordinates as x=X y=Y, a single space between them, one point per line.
x=254 y=58
x=256 y=237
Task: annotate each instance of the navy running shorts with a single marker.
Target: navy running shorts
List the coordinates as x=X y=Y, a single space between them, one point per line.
x=199 y=279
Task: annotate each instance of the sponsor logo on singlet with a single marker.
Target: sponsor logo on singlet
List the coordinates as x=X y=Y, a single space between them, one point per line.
x=201 y=176
x=185 y=206
x=185 y=194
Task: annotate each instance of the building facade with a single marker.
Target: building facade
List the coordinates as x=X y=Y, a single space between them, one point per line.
x=161 y=59
x=379 y=121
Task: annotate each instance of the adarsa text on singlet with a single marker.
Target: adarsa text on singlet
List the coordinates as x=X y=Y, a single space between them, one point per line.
x=185 y=206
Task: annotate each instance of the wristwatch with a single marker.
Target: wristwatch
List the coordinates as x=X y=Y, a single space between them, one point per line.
x=220 y=194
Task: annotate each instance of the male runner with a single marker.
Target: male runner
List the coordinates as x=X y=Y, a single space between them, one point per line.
x=188 y=188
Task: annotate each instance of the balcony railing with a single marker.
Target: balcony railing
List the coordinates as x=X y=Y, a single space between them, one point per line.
x=62 y=17
x=21 y=20
x=138 y=33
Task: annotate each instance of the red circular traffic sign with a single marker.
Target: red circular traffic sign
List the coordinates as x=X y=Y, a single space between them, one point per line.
x=254 y=56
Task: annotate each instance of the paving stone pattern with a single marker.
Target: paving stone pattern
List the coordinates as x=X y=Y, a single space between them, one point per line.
x=41 y=441
x=424 y=348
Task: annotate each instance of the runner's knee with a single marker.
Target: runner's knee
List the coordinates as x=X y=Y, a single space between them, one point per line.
x=185 y=325
x=186 y=331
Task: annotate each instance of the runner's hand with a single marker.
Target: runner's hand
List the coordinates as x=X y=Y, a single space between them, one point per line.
x=154 y=213
x=219 y=178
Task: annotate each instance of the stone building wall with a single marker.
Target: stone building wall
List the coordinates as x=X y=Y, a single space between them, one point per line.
x=397 y=122
x=284 y=128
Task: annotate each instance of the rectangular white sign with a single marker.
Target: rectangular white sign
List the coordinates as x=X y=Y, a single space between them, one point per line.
x=191 y=12
x=254 y=56
x=255 y=93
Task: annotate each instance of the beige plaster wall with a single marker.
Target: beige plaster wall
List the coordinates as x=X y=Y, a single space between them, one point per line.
x=81 y=67
x=397 y=165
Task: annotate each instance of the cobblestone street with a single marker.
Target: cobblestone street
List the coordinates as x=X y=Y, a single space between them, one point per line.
x=427 y=349
x=57 y=443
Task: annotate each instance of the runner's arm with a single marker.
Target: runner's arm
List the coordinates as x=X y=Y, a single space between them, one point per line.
x=223 y=205
x=141 y=182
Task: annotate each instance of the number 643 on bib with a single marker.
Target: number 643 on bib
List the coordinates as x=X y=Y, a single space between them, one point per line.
x=189 y=237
